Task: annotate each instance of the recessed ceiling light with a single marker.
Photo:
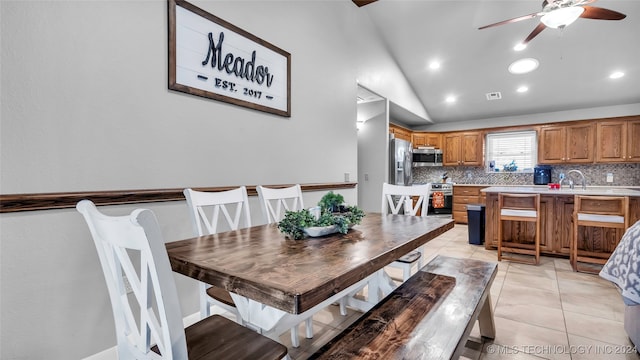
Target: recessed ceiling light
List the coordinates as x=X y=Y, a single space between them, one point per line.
x=434 y=65
x=522 y=89
x=450 y=99
x=520 y=47
x=523 y=66
x=616 y=75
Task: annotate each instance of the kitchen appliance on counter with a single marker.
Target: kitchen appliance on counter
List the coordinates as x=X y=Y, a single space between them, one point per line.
x=447 y=190
x=400 y=162
x=427 y=157
x=541 y=175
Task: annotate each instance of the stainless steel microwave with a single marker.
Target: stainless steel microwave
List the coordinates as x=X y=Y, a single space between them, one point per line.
x=427 y=157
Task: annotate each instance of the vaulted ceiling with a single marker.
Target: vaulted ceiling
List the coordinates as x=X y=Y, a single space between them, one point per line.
x=574 y=63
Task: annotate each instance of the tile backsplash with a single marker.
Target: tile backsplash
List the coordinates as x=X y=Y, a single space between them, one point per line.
x=596 y=174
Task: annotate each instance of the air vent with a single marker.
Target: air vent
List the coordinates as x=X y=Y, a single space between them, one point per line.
x=494 y=95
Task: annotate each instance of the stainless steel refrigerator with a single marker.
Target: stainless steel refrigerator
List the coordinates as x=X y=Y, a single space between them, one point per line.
x=400 y=162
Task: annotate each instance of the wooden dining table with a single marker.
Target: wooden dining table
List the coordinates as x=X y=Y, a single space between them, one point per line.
x=261 y=264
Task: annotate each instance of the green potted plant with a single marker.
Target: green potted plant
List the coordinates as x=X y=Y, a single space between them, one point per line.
x=334 y=216
x=331 y=202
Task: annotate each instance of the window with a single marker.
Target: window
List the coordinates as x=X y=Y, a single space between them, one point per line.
x=508 y=148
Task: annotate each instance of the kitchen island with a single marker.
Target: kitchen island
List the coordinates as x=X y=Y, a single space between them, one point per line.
x=556 y=217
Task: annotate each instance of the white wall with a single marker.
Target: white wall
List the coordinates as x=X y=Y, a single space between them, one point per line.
x=85 y=106
x=373 y=153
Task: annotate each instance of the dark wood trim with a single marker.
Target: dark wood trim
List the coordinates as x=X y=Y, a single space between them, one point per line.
x=49 y=201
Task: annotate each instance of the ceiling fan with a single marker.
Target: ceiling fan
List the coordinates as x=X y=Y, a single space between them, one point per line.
x=558 y=14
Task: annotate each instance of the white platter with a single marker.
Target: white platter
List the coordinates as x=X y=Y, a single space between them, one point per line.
x=318 y=231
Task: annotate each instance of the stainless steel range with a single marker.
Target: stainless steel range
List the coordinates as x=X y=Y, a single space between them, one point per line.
x=447 y=190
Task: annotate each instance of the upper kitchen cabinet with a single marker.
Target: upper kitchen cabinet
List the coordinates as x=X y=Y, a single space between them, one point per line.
x=618 y=141
x=426 y=139
x=463 y=148
x=566 y=144
x=400 y=132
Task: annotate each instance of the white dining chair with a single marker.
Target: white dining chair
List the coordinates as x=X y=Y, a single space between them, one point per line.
x=407 y=200
x=275 y=203
x=209 y=211
x=148 y=321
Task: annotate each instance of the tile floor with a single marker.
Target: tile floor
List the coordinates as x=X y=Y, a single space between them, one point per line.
x=541 y=312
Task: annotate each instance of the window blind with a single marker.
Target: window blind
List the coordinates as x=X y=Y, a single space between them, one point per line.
x=517 y=146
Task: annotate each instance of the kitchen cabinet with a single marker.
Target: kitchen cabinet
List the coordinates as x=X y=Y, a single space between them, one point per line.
x=426 y=139
x=462 y=196
x=400 y=132
x=463 y=148
x=562 y=225
x=618 y=141
x=564 y=144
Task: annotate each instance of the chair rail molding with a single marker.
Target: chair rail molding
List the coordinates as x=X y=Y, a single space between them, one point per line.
x=64 y=200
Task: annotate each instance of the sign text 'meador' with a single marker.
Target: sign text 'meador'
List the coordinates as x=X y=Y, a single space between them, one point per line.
x=236 y=65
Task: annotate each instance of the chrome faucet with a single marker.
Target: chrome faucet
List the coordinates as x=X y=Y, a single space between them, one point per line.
x=562 y=179
x=584 y=180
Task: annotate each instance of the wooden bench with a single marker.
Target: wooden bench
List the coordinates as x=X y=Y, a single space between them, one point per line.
x=430 y=316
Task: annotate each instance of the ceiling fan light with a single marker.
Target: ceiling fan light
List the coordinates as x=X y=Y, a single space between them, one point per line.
x=562 y=17
x=520 y=47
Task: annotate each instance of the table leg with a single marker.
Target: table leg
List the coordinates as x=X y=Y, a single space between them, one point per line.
x=485 y=320
x=273 y=322
x=257 y=314
x=387 y=285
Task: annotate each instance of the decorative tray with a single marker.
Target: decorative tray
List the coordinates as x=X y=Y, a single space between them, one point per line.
x=317 y=231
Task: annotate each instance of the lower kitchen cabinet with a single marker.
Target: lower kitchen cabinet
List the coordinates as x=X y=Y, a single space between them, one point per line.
x=462 y=196
x=562 y=228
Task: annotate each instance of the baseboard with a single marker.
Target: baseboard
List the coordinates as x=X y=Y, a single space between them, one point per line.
x=112 y=354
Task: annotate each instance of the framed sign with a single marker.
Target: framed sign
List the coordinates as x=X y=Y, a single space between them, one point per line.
x=212 y=58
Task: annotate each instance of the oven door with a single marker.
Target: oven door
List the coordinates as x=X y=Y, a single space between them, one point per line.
x=447 y=209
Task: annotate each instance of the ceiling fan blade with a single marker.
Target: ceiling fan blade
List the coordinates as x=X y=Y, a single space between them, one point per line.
x=592 y=12
x=362 y=3
x=530 y=16
x=534 y=33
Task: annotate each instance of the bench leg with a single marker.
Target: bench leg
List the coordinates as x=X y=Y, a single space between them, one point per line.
x=309 y=327
x=295 y=342
x=343 y=306
x=485 y=320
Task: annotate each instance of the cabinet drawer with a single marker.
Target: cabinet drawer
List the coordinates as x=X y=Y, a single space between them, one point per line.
x=460 y=217
x=461 y=207
x=466 y=190
x=466 y=199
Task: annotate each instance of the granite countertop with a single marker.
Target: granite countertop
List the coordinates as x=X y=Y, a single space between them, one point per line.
x=544 y=190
